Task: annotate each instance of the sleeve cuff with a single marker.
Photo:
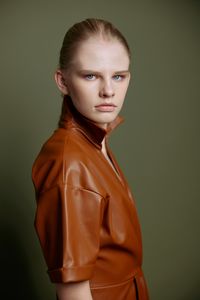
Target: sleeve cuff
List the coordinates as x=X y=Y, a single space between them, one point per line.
x=74 y=274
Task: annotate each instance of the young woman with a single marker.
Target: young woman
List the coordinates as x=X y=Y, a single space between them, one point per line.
x=86 y=218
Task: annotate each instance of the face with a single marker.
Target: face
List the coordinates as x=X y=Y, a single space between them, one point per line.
x=97 y=80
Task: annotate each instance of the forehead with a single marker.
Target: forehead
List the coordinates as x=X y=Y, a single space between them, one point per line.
x=96 y=53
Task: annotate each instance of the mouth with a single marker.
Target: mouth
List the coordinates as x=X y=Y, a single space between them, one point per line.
x=106 y=104
x=107 y=107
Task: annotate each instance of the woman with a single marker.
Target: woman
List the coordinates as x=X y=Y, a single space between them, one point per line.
x=86 y=219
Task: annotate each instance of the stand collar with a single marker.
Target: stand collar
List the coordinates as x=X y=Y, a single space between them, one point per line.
x=70 y=117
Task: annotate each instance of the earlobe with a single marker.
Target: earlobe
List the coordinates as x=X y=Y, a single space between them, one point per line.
x=60 y=81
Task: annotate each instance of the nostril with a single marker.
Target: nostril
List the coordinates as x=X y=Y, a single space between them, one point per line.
x=107 y=93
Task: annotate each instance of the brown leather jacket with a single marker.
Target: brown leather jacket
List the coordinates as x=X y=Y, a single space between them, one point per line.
x=86 y=218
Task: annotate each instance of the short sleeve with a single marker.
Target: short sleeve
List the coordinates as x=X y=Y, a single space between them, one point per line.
x=68 y=222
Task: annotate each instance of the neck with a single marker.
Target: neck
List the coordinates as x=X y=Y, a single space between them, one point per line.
x=104 y=126
x=103 y=149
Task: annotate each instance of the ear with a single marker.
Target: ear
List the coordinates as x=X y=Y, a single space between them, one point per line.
x=60 y=81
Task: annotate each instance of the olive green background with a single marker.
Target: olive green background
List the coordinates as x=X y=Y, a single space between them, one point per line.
x=157 y=147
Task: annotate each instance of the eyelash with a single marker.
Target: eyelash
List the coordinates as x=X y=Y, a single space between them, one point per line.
x=91 y=79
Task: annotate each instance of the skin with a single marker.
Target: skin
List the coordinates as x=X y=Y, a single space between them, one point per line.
x=96 y=77
x=74 y=291
x=99 y=73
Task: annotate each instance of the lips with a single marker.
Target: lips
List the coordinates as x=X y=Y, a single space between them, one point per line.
x=109 y=107
x=106 y=104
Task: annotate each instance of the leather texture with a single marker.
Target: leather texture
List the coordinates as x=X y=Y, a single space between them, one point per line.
x=86 y=218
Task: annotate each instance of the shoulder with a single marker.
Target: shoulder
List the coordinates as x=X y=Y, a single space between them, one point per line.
x=63 y=158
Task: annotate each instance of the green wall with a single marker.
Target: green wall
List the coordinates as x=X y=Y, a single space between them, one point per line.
x=157 y=147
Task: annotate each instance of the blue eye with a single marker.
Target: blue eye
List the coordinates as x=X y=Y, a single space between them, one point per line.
x=90 y=77
x=118 y=77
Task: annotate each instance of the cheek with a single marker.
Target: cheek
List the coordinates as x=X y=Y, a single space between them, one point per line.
x=126 y=87
x=85 y=89
x=76 y=92
x=123 y=89
x=122 y=102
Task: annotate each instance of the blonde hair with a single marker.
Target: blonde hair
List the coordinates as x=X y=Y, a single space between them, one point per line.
x=82 y=31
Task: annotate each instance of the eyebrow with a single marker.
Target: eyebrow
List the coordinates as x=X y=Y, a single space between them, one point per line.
x=97 y=72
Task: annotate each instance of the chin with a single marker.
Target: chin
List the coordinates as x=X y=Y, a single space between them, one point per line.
x=106 y=119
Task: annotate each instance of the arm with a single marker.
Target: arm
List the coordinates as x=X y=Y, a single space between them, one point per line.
x=74 y=291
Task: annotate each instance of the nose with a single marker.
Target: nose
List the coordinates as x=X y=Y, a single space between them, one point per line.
x=106 y=90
